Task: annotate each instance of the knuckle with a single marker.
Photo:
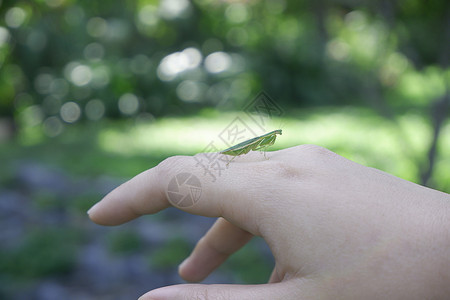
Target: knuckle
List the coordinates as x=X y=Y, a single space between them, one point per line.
x=314 y=150
x=171 y=161
x=170 y=166
x=306 y=162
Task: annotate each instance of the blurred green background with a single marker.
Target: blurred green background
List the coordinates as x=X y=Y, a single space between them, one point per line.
x=94 y=92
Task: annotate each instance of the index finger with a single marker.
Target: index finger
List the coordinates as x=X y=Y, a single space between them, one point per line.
x=130 y=200
x=180 y=182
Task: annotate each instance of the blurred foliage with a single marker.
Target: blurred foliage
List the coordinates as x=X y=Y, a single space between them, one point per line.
x=171 y=254
x=249 y=264
x=47 y=201
x=124 y=242
x=63 y=61
x=43 y=252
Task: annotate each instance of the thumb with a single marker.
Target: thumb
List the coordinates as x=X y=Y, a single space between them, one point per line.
x=295 y=289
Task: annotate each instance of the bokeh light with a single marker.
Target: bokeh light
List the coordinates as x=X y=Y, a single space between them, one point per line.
x=53 y=126
x=32 y=116
x=171 y=9
x=15 y=17
x=128 y=104
x=338 y=50
x=94 y=110
x=94 y=51
x=178 y=62
x=140 y=64
x=81 y=75
x=101 y=77
x=4 y=36
x=97 y=27
x=70 y=112
x=74 y=15
x=218 y=62
x=148 y=15
x=59 y=87
x=191 y=91
x=237 y=36
x=237 y=13
x=42 y=83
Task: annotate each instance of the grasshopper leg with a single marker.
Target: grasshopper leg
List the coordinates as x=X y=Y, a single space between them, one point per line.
x=234 y=156
x=228 y=162
x=265 y=143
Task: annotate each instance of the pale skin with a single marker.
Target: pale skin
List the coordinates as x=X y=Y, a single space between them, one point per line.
x=337 y=229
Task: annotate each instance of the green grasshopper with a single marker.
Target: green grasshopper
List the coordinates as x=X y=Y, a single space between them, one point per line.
x=253 y=144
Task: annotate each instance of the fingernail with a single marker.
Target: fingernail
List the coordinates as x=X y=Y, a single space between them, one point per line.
x=92 y=209
x=183 y=264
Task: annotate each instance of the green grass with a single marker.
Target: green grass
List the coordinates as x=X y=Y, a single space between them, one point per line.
x=125 y=148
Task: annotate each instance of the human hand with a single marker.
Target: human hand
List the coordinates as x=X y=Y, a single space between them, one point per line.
x=337 y=229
